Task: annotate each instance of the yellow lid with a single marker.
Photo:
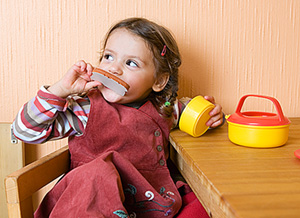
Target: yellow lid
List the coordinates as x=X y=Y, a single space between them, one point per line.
x=195 y=115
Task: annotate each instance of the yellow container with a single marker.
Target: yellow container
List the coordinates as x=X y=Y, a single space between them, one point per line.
x=258 y=129
x=258 y=136
x=195 y=115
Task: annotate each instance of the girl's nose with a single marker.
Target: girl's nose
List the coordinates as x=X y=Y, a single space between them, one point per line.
x=115 y=69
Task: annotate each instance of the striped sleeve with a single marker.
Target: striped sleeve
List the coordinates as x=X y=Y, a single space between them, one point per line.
x=179 y=106
x=48 y=117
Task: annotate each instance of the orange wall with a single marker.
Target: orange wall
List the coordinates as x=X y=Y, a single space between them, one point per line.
x=229 y=47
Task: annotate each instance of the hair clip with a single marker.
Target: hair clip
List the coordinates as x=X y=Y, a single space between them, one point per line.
x=167 y=103
x=163 y=52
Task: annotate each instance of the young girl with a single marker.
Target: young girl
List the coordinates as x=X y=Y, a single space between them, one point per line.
x=118 y=144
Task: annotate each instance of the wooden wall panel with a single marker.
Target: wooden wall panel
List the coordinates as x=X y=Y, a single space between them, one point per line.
x=229 y=48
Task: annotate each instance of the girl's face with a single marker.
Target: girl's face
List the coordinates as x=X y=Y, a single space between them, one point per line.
x=128 y=57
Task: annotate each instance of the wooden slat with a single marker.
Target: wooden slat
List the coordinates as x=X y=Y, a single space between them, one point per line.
x=21 y=184
x=237 y=181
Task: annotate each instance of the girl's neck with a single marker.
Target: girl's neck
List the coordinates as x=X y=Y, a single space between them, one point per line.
x=138 y=104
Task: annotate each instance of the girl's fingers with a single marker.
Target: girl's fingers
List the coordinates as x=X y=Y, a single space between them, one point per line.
x=210 y=99
x=216 y=114
x=89 y=68
x=215 y=120
x=217 y=123
x=81 y=64
x=216 y=110
x=84 y=70
x=92 y=84
x=84 y=67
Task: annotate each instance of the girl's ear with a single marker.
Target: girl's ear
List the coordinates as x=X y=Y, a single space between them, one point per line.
x=160 y=82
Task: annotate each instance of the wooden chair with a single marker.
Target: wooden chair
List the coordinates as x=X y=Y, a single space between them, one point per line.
x=22 y=184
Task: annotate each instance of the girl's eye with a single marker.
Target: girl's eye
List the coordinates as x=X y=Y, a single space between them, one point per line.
x=131 y=63
x=108 y=57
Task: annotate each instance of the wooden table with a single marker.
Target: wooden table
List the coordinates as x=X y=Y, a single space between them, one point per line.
x=237 y=181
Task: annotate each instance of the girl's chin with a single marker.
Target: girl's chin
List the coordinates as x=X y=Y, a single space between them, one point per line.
x=110 y=95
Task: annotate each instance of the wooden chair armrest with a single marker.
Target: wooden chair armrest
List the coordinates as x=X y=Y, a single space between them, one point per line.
x=21 y=184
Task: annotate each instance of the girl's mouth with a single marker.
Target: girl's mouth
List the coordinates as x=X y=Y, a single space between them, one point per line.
x=110 y=81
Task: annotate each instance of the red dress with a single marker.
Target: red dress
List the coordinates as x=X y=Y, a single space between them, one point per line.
x=118 y=166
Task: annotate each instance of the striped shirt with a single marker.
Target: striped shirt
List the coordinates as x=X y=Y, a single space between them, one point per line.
x=48 y=117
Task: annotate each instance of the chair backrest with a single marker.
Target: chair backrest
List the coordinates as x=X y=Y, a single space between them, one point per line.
x=22 y=184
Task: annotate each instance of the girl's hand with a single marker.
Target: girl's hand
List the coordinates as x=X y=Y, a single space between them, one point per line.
x=216 y=114
x=77 y=80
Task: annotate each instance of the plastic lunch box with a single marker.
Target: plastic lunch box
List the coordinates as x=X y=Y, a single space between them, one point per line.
x=258 y=129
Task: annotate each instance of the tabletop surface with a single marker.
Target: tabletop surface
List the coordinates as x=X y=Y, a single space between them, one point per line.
x=237 y=181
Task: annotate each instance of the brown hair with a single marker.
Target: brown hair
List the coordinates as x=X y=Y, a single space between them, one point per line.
x=157 y=37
